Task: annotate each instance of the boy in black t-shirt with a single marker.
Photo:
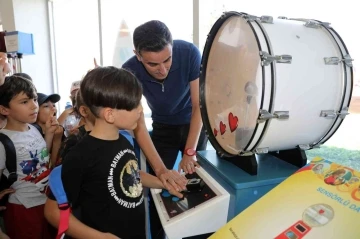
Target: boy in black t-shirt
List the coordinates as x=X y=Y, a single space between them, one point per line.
x=101 y=174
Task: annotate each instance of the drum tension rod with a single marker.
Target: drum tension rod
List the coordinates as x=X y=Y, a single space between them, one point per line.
x=263 y=19
x=316 y=24
x=267 y=59
x=265 y=115
x=336 y=60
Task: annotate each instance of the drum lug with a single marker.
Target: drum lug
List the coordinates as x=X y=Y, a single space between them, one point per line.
x=262 y=150
x=263 y=19
x=266 y=19
x=304 y=146
x=267 y=58
x=316 y=24
x=246 y=153
x=328 y=114
x=265 y=115
x=336 y=60
x=331 y=114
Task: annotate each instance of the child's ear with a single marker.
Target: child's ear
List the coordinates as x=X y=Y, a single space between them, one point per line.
x=4 y=110
x=108 y=115
x=83 y=111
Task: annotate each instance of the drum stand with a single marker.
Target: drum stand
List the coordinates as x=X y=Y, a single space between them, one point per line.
x=296 y=157
x=249 y=164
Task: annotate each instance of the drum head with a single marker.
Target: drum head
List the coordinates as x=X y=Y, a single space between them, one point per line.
x=231 y=84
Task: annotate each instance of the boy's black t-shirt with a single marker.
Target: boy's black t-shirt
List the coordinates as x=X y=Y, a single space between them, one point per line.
x=102 y=178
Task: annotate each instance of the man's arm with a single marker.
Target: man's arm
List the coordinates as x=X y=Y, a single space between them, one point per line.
x=76 y=228
x=188 y=163
x=143 y=139
x=170 y=178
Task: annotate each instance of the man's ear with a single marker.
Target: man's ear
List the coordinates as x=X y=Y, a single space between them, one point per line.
x=137 y=55
x=4 y=110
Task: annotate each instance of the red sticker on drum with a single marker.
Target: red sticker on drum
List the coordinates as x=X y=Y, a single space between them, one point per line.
x=233 y=122
x=222 y=128
x=215 y=132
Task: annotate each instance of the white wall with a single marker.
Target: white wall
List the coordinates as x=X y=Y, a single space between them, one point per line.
x=31 y=16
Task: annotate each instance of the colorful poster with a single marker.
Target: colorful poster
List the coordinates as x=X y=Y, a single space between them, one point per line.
x=321 y=200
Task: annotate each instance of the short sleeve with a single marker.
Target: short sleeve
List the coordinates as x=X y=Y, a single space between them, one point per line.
x=72 y=176
x=195 y=62
x=2 y=156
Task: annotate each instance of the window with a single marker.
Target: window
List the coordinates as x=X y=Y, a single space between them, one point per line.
x=120 y=18
x=343 y=147
x=76 y=42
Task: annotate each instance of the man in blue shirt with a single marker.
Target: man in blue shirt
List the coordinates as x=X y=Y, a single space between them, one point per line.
x=169 y=72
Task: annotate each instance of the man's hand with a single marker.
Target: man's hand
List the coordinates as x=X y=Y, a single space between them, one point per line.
x=172 y=181
x=188 y=164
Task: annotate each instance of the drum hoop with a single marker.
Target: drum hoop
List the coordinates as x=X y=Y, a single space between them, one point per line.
x=272 y=92
x=214 y=30
x=331 y=132
x=203 y=109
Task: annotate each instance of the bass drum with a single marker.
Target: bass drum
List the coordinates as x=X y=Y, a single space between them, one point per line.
x=273 y=84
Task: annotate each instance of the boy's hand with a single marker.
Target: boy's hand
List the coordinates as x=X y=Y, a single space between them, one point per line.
x=74 y=130
x=172 y=180
x=109 y=236
x=6 y=191
x=3 y=193
x=3 y=235
x=176 y=193
x=95 y=63
x=58 y=134
x=51 y=124
x=4 y=67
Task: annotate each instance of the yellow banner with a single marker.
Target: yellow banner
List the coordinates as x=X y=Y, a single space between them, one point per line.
x=321 y=200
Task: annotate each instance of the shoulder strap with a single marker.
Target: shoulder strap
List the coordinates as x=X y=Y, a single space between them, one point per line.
x=38 y=127
x=10 y=161
x=58 y=191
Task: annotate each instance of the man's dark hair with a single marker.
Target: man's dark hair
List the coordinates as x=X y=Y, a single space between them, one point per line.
x=13 y=86
x=152 y=36
x=110 y=87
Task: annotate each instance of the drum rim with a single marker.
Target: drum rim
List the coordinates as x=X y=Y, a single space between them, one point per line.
x=272 y=90
x=331 y=132
x=203 y=108
x=206 y=52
